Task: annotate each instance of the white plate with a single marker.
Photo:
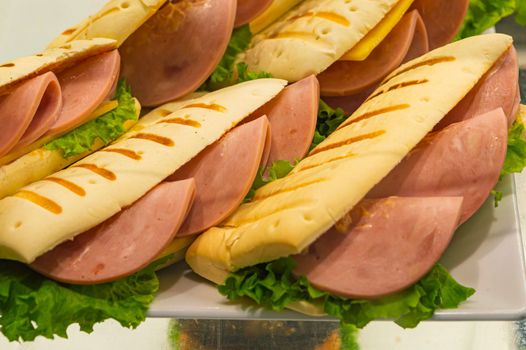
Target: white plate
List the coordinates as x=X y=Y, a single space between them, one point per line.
x=486 y=254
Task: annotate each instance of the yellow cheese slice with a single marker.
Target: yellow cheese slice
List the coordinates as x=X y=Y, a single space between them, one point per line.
x=118 y=19
x=363 y=49
x=104 y=108
x=48 y=212
x=278 y=9
x=41 y=162
x=289 y=214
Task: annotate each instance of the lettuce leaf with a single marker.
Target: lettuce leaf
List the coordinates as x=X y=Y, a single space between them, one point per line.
x=521 y=12
x=229 y=73
x=329 y=120
x=515 y=161
x=277 y=170
x=32 y=305
x=106 y=128
x=484 y=14
x=273 y=286
x=516 y=155
x=349 y=337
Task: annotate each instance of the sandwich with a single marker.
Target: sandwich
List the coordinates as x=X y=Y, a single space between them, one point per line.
x=357 y=228
x=59 y=106
x=168 y=53
x=103 y=223
x=351 y=47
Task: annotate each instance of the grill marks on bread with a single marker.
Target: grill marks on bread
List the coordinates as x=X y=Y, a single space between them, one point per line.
x=124 y=152
x=79 y=191
x=41 y=201
x=349 y=141
x=165 y=141
x=105 y=173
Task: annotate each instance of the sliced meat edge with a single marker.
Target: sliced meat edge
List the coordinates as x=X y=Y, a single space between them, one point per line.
x=391 y=244
x=29 y=111
x=123 y=244
x=224 y=173
x=177 y=49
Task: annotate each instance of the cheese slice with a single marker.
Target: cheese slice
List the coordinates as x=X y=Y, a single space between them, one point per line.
x=313 y=36
x=363 y=49
x=49 y=212
x=53 y=59
x=41 y=162
x=278 y=9
x=104 y=108
x=289 y=214
x=117 y=20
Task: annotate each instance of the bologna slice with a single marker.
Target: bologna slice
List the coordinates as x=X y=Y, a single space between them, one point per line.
x=177 y=49
x=84 y=88
x=123 y=244
x=390 y=245
x=464 y=159
x=493 y=91
x=292 y=115
x=29 y=111
x=443 y=19
x=345 y=78
x=224 y=173
x=247 y=10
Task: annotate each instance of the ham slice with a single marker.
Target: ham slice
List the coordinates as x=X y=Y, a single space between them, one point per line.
x=247 y=10
x=388 y=246
x=464 y=159
x=443 y=19
x=84 y=87
x=224 y=173
x=407 y=40
x=29 y=111
x=124 y=244
x=292 y=115
x=491 y=92
x=177 y=49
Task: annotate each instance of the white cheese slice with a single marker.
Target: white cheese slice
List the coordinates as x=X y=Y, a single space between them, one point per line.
x=313 y=36
x=118 y=19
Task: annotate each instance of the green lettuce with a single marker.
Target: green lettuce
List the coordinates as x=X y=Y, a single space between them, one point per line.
x=484 y=14
x=329 y=120
x=32 y=305
x=515 y=161
x=228 y=72
x=106 y=128
x=516 y=155
x=521 y=12
x=349 y=337
x=273 y=286
x=277 y=170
